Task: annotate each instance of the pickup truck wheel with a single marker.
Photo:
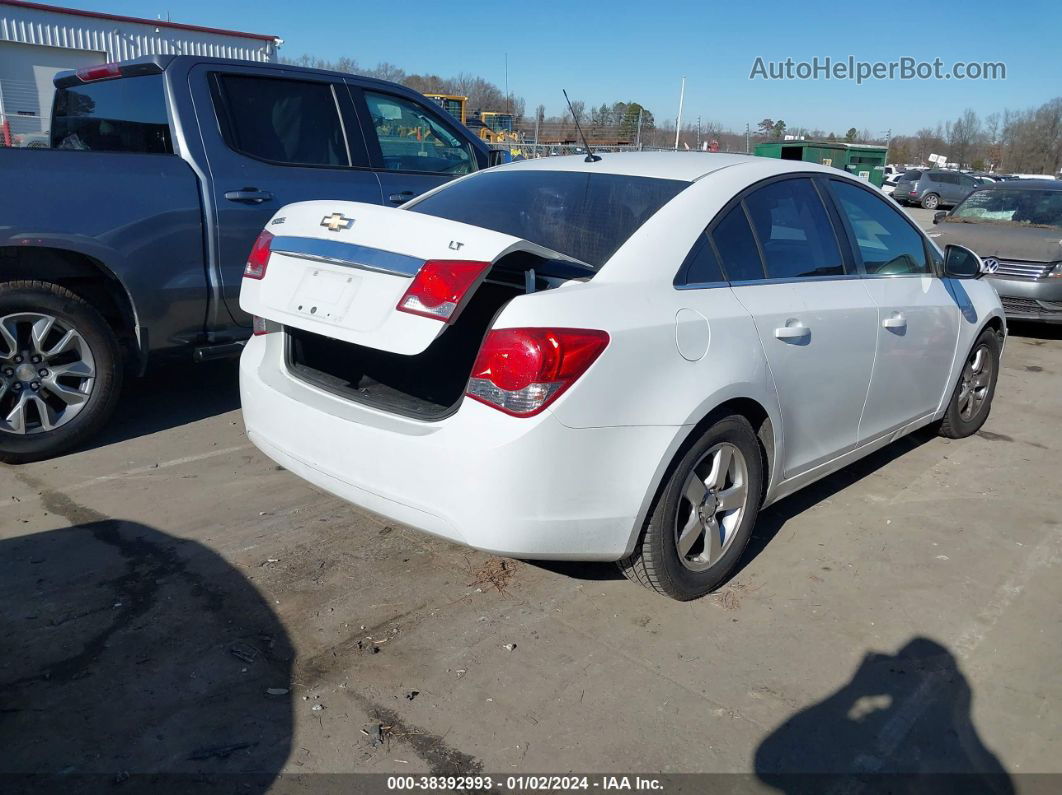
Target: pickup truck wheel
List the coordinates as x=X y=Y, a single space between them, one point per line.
x=972 y=399
x=703 y=517
x=60 y=370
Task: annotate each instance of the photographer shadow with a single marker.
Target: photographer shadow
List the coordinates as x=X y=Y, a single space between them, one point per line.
x=901 y=723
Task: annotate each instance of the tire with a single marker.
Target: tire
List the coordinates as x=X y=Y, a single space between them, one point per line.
x=930 y=201
x=656 y=561
x=83 y=354
x=959 y=420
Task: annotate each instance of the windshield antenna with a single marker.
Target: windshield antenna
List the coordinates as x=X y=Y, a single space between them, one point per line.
x=590 y=156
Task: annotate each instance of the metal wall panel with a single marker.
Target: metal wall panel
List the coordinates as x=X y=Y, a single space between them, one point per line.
x=123 y=40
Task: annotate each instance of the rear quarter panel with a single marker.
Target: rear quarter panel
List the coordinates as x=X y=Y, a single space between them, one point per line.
x=138 y=215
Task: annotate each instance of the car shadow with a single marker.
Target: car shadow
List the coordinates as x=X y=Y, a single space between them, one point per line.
x=902 y=723
x=170 y=395
x=128 y=653
x=1034 y=331
x=771 y=520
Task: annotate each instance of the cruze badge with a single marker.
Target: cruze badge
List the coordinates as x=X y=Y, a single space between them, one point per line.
x=337 y=221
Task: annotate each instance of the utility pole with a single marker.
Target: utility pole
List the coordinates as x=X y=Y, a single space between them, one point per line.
x=678 y=121
x=638 y=140
x=698 y=132
x=746 y=138
x=507 y=83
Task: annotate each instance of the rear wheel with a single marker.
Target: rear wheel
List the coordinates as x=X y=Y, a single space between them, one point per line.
x=703 y=517
x=60 y=370
x=972 y=399
x=931 y=201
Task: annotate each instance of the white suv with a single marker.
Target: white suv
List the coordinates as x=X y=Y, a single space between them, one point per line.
x=622 y=359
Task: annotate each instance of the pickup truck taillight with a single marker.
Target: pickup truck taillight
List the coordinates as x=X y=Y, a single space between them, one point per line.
x=522 y=370
x=258 y=259
x=440 y=287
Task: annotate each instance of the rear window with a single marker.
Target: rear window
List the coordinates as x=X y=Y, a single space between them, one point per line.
x=581 y=214
x=123 y=115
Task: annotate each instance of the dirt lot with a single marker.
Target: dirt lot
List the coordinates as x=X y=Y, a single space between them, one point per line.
x=172 y=601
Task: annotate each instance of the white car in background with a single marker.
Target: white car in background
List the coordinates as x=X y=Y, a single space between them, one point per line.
x=615 y=360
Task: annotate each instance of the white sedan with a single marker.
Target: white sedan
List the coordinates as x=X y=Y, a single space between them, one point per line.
x=617 y=360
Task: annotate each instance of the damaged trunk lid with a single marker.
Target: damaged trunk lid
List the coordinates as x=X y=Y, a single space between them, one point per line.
x=342 y=269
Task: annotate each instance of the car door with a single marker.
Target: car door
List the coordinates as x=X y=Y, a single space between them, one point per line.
x=413 y=145
x=272 y=138
x=918 y=321
x=966 y=184
x=780 y=249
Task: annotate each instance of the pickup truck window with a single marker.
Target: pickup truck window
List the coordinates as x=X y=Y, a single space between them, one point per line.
x=123 y=115
x=411 y=140
x=291 y=122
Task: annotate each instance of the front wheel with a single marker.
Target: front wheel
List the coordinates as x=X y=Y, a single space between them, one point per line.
x=703 y=517
x=972 y=399
x=60 y=370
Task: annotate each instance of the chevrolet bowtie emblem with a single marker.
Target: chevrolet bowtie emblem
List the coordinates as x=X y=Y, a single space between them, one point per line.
x=337 y=221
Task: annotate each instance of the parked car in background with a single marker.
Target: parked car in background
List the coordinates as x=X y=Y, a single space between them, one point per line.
x=932 y=189
x=889 y=186
x=1016 y=228
x=126 y=240
x=614 y=360
x=1032 y=176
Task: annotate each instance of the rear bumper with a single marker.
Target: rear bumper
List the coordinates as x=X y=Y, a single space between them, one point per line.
x=1030 y=299
x=526 y=488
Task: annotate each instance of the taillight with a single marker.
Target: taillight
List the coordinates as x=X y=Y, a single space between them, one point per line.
x=103 y=71
x=522 y=370
x=440 y=287
x=260 y=326
x=258 y=259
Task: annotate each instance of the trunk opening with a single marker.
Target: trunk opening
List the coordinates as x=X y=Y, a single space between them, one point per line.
x=429 y=385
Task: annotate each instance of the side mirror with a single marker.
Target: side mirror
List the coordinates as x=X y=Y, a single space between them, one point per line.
x=938 y=215
x=961 y=263
x=497 y=157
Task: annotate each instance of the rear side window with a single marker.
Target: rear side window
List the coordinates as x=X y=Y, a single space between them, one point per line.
x=581 y=214
x=702 y=266
x=412 y=140
x=910 y=176
x=794 y=230
x=123 y=115
x=737 y=247
x=292 y=122
x=888 y=245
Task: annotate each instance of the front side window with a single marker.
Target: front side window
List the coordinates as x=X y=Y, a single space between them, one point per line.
x=581 y=214
x=887 y=244
x=292 y=122
x=737 y=247
x=412 y=140
x=794 y=230
x=127 y=114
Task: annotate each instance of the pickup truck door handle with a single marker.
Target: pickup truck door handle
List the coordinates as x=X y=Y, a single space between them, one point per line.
x=897 y=321
x=401 y=198
x=249 y=196
x=793 y=331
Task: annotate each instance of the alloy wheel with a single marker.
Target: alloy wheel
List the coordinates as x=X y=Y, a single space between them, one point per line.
x=46 y=373
x=975 y=383
x=713 y=503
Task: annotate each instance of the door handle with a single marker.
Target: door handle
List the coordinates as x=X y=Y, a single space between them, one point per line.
x=401 y=198
x=897 y=321
x=796 y=331
x=249 y=195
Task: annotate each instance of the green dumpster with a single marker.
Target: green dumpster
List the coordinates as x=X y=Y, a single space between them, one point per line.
x=861 y=160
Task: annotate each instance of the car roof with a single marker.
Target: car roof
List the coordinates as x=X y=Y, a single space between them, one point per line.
x=1026 y=184
x=688 y=166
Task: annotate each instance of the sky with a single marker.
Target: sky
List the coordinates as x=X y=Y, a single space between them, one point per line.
x=639 y=51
